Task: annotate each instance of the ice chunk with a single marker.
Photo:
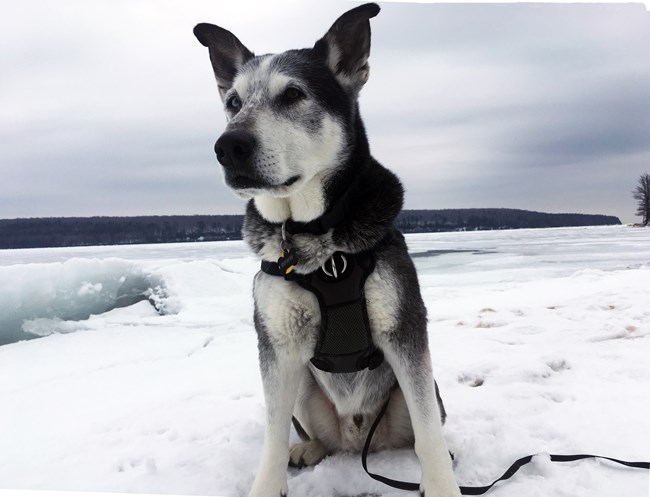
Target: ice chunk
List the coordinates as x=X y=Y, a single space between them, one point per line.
x=41 y=299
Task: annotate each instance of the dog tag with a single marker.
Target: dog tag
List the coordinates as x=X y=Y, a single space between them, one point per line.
x=287 y=261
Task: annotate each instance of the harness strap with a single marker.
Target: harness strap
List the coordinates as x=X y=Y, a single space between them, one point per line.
x=344 y=342
x=271 y=268
x=402 y=485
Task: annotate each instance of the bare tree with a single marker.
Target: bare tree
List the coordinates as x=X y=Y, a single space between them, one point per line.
x=642 y=195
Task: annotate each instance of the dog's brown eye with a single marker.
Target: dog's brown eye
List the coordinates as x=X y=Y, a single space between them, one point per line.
x=233 y=103
x=292 y=94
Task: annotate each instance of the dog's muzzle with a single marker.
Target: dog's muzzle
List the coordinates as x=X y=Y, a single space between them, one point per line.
x=234 y=149
x=236 y=153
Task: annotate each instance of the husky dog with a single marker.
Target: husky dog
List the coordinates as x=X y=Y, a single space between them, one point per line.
x=294 y=146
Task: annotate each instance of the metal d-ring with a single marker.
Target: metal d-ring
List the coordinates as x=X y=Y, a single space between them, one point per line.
x=285 y=243
x=334 y=274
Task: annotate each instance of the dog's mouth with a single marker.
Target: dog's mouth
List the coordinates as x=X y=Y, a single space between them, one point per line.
x=241 y=182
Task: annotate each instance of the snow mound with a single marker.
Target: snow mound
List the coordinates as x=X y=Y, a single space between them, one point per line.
x=42 y=299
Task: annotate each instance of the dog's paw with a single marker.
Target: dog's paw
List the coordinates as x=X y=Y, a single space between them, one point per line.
x=269 y=487
x=453 y=493
x=439 y=490
x=307 y=453
x=268 y=493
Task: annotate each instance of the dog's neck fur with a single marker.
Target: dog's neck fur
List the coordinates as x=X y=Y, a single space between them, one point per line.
x=305 y=205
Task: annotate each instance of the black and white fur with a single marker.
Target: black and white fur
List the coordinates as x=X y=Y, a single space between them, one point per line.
x=294 y=144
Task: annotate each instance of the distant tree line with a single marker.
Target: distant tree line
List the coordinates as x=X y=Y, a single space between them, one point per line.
x=426 y=221
x=82 y=231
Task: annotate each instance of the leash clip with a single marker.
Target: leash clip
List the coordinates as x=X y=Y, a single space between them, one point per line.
x=288 y=257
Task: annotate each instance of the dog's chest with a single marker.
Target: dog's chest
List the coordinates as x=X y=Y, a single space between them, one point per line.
x=291 y=315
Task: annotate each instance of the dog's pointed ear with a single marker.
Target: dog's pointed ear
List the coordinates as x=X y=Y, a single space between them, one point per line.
x=227 y=53
x=346 y=46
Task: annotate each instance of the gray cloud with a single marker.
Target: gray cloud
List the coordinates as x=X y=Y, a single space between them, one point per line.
x=543 y=107
x=109 y=107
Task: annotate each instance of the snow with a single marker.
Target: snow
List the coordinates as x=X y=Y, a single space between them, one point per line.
x=539 y=339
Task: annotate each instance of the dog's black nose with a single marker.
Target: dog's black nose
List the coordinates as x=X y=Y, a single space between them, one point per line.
x=233 y=148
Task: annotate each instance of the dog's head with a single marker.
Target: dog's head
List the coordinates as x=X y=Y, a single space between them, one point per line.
x=289 y=114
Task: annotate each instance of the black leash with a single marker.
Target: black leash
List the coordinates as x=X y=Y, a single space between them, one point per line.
x=402 y=485
x=554 y=458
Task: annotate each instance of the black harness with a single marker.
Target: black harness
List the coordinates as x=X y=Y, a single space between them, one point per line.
x=344 y=342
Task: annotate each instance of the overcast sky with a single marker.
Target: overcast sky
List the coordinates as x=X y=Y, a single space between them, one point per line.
x=110 y=107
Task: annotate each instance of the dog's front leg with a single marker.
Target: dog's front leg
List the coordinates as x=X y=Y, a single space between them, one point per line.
x=415 y=376
x=281 y=372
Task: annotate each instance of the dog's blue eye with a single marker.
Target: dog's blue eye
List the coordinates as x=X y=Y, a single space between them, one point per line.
x=233 y=103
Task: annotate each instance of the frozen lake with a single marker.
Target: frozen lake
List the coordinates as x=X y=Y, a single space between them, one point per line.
x=73 y=283
x=540 y=342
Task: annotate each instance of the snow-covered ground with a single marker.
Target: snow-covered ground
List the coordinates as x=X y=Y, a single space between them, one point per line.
x=540 y=343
